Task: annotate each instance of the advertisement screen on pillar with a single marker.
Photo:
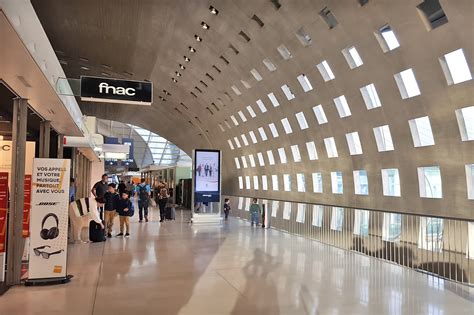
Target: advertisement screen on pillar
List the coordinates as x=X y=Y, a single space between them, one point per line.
x=49 y=218
x=207 y=175
x=96 y=89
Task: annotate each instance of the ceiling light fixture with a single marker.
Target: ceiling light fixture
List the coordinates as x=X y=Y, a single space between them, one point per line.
x=205 y=26
x=199 y=39
x=178 y=74
x=174 y=80
x=187 y=59
x=182 y=67
x=213 y=10
x=191 y=49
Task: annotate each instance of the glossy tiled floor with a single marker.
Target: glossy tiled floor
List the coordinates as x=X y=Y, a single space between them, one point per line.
x=176 y=268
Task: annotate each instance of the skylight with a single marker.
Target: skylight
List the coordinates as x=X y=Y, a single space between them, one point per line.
x=262 y=107
x=251 y=111
x=370 y=96
x=262 y=133
x=252 y=160
x=361 y=182
x=296 y=153
x=391 y=182
x=301 y=120
x=274 y=183
x=244 y=139
x=383 y=138
x=264 y=182
x=247 y=182
x=455 y=67
x=300 y=183
x=342 y=106
x=236 y=90
x=242 y=116
x=234 y=120
x=325 y=71
x=465 y=117
x=282 y=154
x=284 y=52
x=273 y=99
x=230 y=144
x=271 y=159
x=255 y=182
x=317 y=182
x=270 y=66
x=387 y=38
x=253 y=137
x=421 y=132
x=286 y=89
x=241 y=182
x=287 y=182
x=244 y=161
x=286 y=126
x=261 y=160
x=237 y=142
x=320 y=114
x=353 y=141
x=429 y=180
x=273 y=130
x=304 y=82
x=312 y=153
x=470 y=181
x=407 y=84
x=336 y=182
x=256 y=75
x=352 y=57
x=330 y=147
x=237 y=162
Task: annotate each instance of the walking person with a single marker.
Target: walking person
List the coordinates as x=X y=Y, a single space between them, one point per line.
x=111 y=202
x=98 y=190
x=254 y=212
x=143 y=192
x=125 y=211
x=226 y=208
x=162 y=201
x=121 y=187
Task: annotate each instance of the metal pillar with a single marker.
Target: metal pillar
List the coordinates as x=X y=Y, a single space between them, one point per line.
x=60 y=147
x=44 y=141
x=16 y=242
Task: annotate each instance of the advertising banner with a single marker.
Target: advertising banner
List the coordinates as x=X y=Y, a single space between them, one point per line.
x=3 y=210
x=49 y=218
x=207 y=175
x=27 y=207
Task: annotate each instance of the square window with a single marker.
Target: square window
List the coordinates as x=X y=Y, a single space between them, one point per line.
x=256 y=75
x=455 y=67
x=247 y=182
x=301 y=120
x=230 y=144
x=286 y=89
x=273 y=99
x=271 y=159
x=286 y=126
x=421 y=132
x=330 y=147
x=253 y=137
x=470 y=181
x=251 y=111
x=237 y=142
x=237 y=162
x=236 y=90
x=304 y=82
x=296 y=153
x=361 y=182
x=287 y=182
x=282 y=154
x=391 y=227
x=391 y=182
x=320 y=114
x=370 y=96
x=244 y=139
x=286 y=211
x=361 y=222
x=284 y=52
x=300 y=183
x=273 y=130
x=337 y=218
x=465 y=117
x=244 y=161
x=234 y=120
x=342 y=106
x=252 y=161
x=270 y=66
x=353 y=141
x=312 y=153
x=318 y=213
x=336 y=182
x=352 y=57
x=407 y=84
x=261 y=160
x=262 y=133
x=241 y=182
x=264 y=182
x=317 y=182
x=387 y=38
x=262 y=107
x=383 y=138
x=325 y=71
x=274 y=182
x=300 y=213
x=255 y=182
x=429 y=180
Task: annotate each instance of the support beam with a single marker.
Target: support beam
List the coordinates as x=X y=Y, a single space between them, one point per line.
x=60 y=147
x=16 y=242
x=45 y=139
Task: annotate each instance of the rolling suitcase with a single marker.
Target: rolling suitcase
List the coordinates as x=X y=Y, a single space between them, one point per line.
x=170 y=213
x=96 y=232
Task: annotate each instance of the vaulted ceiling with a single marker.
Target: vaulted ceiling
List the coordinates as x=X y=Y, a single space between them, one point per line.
x=149 y=40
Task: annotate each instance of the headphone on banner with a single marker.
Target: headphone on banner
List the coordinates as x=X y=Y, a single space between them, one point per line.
x=52 y=233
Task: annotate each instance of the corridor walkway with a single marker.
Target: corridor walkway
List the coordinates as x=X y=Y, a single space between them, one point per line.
x=177 y=268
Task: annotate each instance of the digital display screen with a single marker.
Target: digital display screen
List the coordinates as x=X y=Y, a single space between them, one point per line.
x=207 y=175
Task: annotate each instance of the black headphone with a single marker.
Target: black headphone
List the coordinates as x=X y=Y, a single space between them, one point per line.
x=52 y=233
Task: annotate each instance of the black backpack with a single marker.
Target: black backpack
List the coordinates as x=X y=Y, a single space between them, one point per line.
x=142 y=192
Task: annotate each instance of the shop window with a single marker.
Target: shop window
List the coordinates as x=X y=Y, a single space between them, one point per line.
x=256 y=74
x=353 y=141
x=421 y=132
x=387 y=38
x=296 y=153
x=230 y=144
x=270 y=66
x=234 y=120
x=273 y=130
x=253 y=137
x=407 y=84
x=261 y=106
x=317 y=182
x=282 y=155
x=391 y=227
x=286 y=210
x=470 y=181
x=432 y=14
x=455 y=67
x=244 y=161
x=337 y=218
x=237 y=163
x=301 y=120
x=237 y=142
x=391 y=182
x=430 y=236
x=429 y=180
x=465 y=117
x=241 y=183
x=342 y=106
x=361 y=222
x=261 y=160
x=255 y=182
x=251 y=111
x=284 y=52
x=273 y=99
x=326 y=71
x=244 y=139
x=370 y=96
x=264 y=182
x=304 y=82
x=271 y=159
x=361 y=182
x=318 y=213
x=247 y=182
x=331 y=149
x=287 y=91
x=252 y=160
x=262 y=133
x=236 y=90
x=311 y=148
x=352 y=57
x=286 y=126
x=275 y=182
x=300 y=212
x=320 y=114
x=300 y=182
x=383 y=138
x=336 y=182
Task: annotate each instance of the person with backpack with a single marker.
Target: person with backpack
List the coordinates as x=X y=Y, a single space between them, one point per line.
x=226 y=208
x=162 y=201
x=125 y=210
x=254 y=212
x=143 y=192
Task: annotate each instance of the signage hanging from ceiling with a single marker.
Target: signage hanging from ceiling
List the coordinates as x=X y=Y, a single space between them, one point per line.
x=106 y=90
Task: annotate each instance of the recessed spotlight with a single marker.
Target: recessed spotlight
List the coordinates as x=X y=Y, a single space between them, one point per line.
x=85 y=68
x=187 y=59
x=196 y=37
x=178 y=74
x=182 y=67
x=213 y=10
x=205 y=26
x=174 y=80
x=191 y=49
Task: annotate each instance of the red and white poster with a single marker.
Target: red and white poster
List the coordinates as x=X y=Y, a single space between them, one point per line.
x=27 y=207
x=3 y=210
